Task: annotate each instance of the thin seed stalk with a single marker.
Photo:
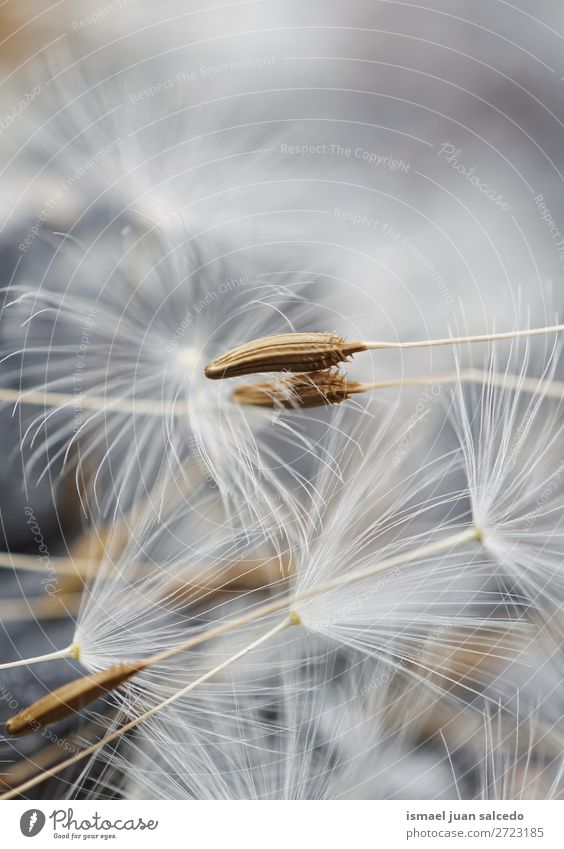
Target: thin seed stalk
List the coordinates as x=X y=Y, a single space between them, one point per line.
x=309 y=391
x=463 y=340
x=504 y=380
x=73 y=566
x=291 y=619
x=319 y=389
x=96 y=403
x=68 y=652
x=40 y=712
x=293 y=601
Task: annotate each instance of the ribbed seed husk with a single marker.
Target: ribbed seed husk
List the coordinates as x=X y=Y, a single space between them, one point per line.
x=70 y=698
x=316 y=389
x=293 y=352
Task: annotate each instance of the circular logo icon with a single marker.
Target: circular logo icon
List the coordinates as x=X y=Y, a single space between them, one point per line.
x=32 y=822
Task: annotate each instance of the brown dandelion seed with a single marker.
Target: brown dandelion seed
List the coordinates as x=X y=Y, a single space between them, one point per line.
x=293 y=352
x=70 y=698
x=317 y=389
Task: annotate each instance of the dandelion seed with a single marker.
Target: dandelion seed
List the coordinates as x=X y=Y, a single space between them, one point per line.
x=293 y=352
x=117 y=370
x=307 y=352
x=347 y=583
x=69 y=698
x=510 y=442
x=307 y=722
x=317 y=389
x=92 y=689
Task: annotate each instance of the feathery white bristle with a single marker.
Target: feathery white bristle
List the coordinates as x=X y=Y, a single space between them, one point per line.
x=296 y=723
x=510 y=447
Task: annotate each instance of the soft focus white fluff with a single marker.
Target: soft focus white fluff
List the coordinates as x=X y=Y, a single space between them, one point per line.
x=409 y=615
x=510 y=440
x=127 y=342
x=299 y=722
x=388 y=502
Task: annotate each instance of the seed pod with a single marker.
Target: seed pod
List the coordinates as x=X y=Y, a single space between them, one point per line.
x=70 y=698
x=318 y=389
x=293 y=352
